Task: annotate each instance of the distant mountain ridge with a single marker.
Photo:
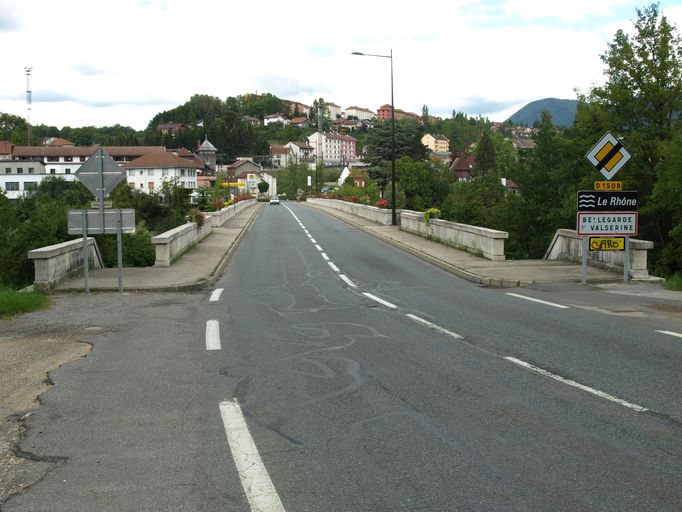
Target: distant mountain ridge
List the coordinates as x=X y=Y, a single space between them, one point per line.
x=562 y=111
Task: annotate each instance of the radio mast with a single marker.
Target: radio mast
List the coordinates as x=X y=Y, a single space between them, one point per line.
x=29 y=100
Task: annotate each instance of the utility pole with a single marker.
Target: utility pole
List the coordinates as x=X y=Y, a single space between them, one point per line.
x=29 y=100
x=319 y=145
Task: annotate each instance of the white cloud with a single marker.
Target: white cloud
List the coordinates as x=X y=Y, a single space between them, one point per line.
x=136 y=58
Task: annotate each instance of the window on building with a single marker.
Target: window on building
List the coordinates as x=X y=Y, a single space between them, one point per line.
x=68 y=159
x=12 y=185
x=8 y=170
x=141 y=185
x=182 y=172
x=53 y=171
x=164 y=172
x=67 y=171
x=151 y=185
x=31 y=170
x=20 y=170
x=141 y=173
x=150 y=172
x=31 y=185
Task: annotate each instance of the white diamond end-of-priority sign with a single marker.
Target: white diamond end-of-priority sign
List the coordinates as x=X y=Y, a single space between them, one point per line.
x=608 y=155
x=100 y=174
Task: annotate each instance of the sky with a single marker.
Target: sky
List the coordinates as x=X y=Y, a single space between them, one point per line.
x=107 y=62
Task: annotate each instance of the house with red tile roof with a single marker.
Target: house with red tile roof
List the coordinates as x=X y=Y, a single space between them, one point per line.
x=148 y=173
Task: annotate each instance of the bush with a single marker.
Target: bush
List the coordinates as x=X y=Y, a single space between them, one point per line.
x=431 y=213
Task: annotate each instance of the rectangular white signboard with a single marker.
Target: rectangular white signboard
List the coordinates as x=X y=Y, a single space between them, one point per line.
x=607 y=223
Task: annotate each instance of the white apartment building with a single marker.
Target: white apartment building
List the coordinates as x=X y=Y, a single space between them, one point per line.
x=335 y=111
x=301 y=153
x=336 y=149
x=363 y=114
x=19 y=177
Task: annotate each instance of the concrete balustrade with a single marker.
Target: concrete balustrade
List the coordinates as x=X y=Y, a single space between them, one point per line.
x=54 y=263
x=221 y=217
x=373 y=213
x=488 y=243
x=171 y=244
x=174 y=242
x=568 y=245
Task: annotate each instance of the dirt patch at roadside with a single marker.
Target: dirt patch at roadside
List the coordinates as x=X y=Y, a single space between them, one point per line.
x=27 y=353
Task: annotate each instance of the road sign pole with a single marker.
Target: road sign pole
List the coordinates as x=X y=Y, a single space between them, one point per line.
x=626 y=260
x=583 y=269
x=100 y=195
x=86 y=263
x=119 y=243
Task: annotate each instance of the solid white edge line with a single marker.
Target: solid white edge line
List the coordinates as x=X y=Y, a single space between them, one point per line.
x=588 y=389
x=347 y=281
x=212 y=335
x=324 y=255
x=379 y=300
x=334 y=267
x=215 y=296
x=553 y=304
x=259 y=490
x=435 y=327
x=318 y=248
x=671 y=333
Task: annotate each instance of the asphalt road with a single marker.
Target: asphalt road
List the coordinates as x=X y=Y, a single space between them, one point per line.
x=329 y=371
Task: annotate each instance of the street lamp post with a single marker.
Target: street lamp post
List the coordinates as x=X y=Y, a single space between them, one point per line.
x=394 y=218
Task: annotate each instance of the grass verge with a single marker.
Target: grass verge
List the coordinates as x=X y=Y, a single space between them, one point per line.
x=14 y=303
x=674 y=282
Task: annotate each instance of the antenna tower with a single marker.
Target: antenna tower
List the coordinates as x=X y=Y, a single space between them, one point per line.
x=29 y=100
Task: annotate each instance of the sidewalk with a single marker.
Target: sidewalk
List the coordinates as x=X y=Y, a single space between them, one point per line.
x=196 y=268
x=507 y=274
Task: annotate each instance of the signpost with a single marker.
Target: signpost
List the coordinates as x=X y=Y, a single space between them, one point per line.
x=100 y=174
x=608 y=209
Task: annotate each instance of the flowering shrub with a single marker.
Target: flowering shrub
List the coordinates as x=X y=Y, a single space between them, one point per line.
x=242 y=197
x=354 y=199
x=382 y=203
x=218 y=204
x=196 y=216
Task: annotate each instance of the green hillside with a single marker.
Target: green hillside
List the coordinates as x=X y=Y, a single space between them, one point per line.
x=562 y=111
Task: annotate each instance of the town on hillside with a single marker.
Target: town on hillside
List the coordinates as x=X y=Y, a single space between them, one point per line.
x=147 y=167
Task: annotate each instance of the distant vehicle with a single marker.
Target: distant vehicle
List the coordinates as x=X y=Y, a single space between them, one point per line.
x=274 y=200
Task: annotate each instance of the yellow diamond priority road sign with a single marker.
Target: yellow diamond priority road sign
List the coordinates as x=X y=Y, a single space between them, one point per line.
x=608 y=156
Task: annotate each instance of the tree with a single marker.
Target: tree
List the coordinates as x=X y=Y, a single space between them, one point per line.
x=425 y=183
x=426 y=118
x=378 y=142
x=485 y=155
x=13 y=128
x=641 y=102
x=263 y=187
